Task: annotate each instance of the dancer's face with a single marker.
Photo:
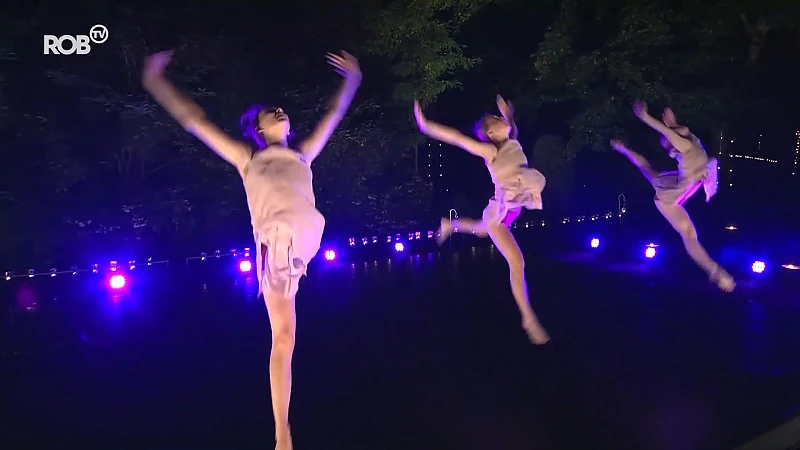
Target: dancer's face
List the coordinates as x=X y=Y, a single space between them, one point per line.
x=274 y=124
x=497 y=129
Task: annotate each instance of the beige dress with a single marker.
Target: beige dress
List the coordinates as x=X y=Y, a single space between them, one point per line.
x=286 y=222
x=695 y=169
x=515 y=184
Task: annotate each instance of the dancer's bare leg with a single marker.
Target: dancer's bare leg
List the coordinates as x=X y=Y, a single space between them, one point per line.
x=282 y=319
x=467 y=226
x=677 y=216
x=638 y=160
x=505 y=242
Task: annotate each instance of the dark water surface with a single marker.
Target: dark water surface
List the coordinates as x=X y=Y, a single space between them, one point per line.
x=420 y=352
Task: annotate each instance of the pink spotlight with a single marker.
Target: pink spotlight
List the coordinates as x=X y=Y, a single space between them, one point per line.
x=399 y=247
x=330 y=255
x=117 y=282
x=245 y=266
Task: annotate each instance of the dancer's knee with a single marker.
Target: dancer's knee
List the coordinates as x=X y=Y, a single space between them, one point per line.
x=688 y=233
x=282 y=321
x=283 y=336
x=516 y=265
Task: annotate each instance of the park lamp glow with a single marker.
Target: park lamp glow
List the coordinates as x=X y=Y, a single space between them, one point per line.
x=117 y=282
x=245 y=266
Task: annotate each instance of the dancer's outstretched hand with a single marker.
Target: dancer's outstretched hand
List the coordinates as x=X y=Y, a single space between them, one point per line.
x=155 y=64
x=639 y=108
x=419 y=116
x=618 y=145
x=505 y=107
x=345 y=65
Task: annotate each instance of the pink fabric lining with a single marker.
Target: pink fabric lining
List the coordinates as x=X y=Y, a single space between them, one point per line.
x=511 y=216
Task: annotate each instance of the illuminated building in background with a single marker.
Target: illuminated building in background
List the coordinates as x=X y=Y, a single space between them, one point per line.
x=741 y=163
x=433 y=165
x=796 y=151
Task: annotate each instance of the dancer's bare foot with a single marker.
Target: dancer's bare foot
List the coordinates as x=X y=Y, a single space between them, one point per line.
x=444 y=232
x=536 y=332
x=283 y=440
x=723 y=280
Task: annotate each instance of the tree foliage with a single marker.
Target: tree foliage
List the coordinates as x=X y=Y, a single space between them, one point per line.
x=96 y=162
x=694 y=59
x=419 y=38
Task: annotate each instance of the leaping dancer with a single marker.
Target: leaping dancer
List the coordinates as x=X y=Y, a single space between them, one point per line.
x=695 y=170
x=516 y=186
x=278 y=183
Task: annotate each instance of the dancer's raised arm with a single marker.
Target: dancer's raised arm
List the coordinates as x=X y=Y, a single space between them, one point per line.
x=452 y=136
x=189 y=114
x=347 y=66
x=507 y=111
x=679 y=142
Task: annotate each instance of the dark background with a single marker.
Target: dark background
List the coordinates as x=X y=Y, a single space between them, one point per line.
x=91 y=163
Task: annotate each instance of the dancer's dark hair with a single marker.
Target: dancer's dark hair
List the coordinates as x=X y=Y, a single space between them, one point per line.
x=249 y=125
x=481 y=127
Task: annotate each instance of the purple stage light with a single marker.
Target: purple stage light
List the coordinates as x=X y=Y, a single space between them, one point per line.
x=594 y=243
x=759 y=267
x=399 y=247
x=330 y=255
x=117 y=282
x=650 y=251
x=245 y=266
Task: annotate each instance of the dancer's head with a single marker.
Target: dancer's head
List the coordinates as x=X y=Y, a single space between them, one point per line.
x=681 y=131
x=265 y=125
x=492 y=128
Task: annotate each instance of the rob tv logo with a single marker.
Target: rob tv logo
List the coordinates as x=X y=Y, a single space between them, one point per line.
x=69 y=44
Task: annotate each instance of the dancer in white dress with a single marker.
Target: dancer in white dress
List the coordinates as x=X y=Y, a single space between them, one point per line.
x=695 y=170
x=517 y=186
x=278 y=183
